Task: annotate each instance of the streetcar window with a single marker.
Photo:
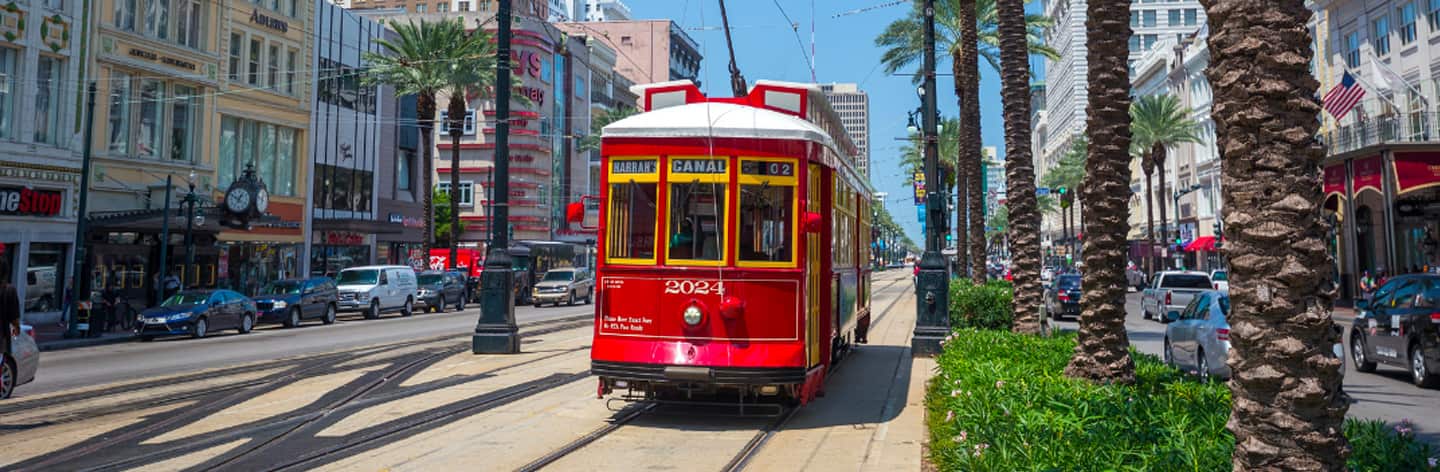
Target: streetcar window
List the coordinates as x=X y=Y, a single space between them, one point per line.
x=766 y=216
x=697 y=221
x=632 y=221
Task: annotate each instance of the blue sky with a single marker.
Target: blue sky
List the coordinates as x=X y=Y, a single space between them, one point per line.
x=766 y=48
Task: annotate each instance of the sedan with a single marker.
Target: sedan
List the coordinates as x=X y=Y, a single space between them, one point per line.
x=1197 y=340
x=1400 y=326
x=21 y=364
x=1063 y=297
x=195 y=313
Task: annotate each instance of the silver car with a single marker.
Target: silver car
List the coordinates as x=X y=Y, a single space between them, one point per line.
x=1197 y=340
x=21 y=363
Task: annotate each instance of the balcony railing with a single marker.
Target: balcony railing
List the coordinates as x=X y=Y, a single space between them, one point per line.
x=1408 y=128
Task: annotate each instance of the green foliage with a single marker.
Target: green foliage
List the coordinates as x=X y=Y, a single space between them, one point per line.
x=1160 y=119
x=986 y=306
x=997 y=224
x=1068 y=173
x=591 y=142
x=1001 y=402
x=431 y=57
x=442 y=219
x=902 y=39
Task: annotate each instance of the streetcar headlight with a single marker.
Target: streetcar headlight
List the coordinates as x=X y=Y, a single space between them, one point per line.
x=693 y=315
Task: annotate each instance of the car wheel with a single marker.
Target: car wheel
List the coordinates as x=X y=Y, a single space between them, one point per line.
x=1204 y=365
x=569 y=300
x=374 y=311
x=7 y=377
x=294 y=319
x=201 y=327
x=409 y=308
x=589 y=296
x=247 y=323
x=146 y=339
x=329 y=315
x=538 y=304
x=1169 y=353
x=1357 y=354
x=460 y=303
x=1418 y=373
x=1145 y=313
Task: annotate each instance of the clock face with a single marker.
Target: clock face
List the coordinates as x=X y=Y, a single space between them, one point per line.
x=238 y=200
x=262 y=200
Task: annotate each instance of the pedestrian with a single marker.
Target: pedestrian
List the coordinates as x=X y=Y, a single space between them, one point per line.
x=1367 y=284
x=110 y=296
x=9 y=317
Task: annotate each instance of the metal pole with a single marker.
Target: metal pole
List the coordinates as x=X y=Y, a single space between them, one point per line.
x=189 y=237
x=932 y=322
x=81 y=219
x=164 y=245
x=496 y=332
x=456 y=128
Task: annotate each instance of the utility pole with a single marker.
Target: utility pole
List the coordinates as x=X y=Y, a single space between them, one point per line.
x=932 y=321
x=79 y=290
x=496 y=332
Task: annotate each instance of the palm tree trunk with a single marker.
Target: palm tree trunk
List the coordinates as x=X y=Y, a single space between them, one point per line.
x=1019 y=168
x=1149 y=219
x=968 y=72
x=1157 y=154
x=425 y=112
x=1103 y=350
x=455 y=120
x=1288 y=401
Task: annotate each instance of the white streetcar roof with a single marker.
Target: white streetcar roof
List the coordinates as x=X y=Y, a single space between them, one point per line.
x=720 y=120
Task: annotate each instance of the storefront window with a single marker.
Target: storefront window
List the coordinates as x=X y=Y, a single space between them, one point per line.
x=49 y=75
x=1371 y=244
x=44 y=272
x=329 y=260
x=184 y=115
x=152 y=98
x=7 y=87
x=119 y=121
x=1417 y=230
x=251 y=266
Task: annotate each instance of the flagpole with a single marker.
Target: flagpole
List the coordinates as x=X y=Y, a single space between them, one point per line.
x=1378 y=93
x=1387 y=68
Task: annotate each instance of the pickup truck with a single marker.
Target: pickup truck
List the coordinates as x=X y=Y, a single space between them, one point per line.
x=1172 y=291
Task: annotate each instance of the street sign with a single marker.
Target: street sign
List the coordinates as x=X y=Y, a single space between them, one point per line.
x=1042 y=191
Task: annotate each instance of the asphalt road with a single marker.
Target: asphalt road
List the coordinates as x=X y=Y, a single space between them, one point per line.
x=1386 y=394
x=84 y=367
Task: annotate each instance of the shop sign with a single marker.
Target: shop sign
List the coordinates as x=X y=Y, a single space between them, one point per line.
x=1335 y=179
x=342 y=238
x=1416 y=170
x=269 y=21
x=12 y=22
x=526 y=63
x=397 y=218
x=27 y=201
x=1367 y=174
x=406 y=221
x=535 y=94
x=167 y=60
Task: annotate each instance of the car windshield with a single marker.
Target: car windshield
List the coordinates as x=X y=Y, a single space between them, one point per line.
x=1069 y=282
x=359 y=277
x=1185 y=281
x=428 y=279
x=559 y=276
x=283 y=287
x=1219 y=276
x=195 y=298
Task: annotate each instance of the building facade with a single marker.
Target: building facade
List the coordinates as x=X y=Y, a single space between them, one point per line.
x=853 y=105
x=649 y=51
x=40 y=97
x=1382 y=170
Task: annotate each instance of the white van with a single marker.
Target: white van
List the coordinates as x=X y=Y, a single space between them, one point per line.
x=377 y=289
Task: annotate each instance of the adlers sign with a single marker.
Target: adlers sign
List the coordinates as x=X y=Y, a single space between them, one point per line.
x=25 y=201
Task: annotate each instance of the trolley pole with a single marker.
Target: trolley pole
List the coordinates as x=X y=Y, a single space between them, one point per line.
x=496 y=332
x=932 y=321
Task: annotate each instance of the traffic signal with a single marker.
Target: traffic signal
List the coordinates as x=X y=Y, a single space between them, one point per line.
x=949 y=237
x=1061 y=190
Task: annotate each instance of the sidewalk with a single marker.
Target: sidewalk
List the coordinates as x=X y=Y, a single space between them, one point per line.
x=51 y=337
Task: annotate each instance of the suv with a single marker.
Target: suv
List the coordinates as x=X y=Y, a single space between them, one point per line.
x=377 y=289
x=1400 y=326
x=291 y=301
x=440 y=289
x=567 y=284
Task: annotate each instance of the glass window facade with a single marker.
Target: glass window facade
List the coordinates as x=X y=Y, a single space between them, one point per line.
x=270 y=148
x=49 y=78
x=8 y=85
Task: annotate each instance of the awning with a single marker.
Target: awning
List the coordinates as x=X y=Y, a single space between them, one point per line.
x=1203 y=243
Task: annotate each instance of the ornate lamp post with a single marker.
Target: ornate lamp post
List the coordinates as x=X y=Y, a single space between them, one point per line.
x=932 y=321
x=496 y=333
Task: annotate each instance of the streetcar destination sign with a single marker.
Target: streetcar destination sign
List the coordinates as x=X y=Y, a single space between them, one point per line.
x=698 y=166
x=780 y=169
x=633 y=167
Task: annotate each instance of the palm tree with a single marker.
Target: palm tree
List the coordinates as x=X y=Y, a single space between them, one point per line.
x=1103 y=350
x=1160 y=122
x=1024 y=214
x=426 y=59
x=1288 y=401
x=1147 y=166
x=969 y=31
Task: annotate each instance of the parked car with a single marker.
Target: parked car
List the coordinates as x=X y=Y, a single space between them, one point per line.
x=568 y=284
x=196 y=313
x=1198 y=339
x=1063 y=297
x=1400 y=326
x=377 y=289
x=291 y=301
x=441 y=289
x=1220 y=280
x=1172 y=291
x=21 y=364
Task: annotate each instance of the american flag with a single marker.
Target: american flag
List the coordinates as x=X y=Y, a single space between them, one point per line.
x=1341 y=99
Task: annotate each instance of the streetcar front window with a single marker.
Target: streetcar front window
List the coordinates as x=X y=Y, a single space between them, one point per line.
x=697 y=221
x=766 y=216
x=632 y=221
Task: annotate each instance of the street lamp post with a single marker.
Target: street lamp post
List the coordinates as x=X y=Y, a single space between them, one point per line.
x=190 y=201
x=495 y=332
x=932 y=322
x=1180 y=193
x=164 y=244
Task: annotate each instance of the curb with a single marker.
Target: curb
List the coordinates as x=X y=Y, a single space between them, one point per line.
x=64 y=344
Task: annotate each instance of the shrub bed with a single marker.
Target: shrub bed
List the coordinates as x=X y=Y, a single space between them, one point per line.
x=1001 y=402
x=985 y=306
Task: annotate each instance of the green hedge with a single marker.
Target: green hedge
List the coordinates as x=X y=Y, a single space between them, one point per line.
x=1001 y=402
x=985 y=306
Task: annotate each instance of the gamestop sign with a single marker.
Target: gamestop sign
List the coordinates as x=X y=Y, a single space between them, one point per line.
x=26 y=201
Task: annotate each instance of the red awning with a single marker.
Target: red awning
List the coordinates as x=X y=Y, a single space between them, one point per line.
x=1203 y=243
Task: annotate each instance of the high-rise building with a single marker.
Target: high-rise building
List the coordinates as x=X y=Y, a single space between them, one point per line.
x=853 y=105
x=649 y=51
x=994 y=179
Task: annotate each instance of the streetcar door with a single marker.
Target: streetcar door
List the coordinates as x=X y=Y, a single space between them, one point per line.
x=814 y=270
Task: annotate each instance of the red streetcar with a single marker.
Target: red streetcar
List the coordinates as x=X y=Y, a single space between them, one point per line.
x=733 y=238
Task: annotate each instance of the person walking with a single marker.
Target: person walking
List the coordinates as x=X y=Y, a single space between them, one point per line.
x=9 y=317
